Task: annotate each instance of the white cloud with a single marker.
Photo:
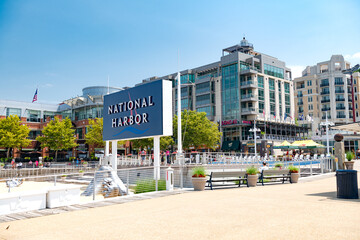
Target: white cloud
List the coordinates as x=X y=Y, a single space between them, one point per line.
x=353 y=59
x=296 y=70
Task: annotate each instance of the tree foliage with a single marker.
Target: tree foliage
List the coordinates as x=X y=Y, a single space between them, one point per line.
x=13 y=133
x=58 y=135
x=197 y=130
x=146 y=143
x=95 y=132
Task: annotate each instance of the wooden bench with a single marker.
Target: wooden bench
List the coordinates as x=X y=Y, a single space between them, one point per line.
x=233 y=176
x=281 y=175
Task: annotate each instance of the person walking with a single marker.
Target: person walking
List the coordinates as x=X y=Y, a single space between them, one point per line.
x=36 y=163
x=168 y=156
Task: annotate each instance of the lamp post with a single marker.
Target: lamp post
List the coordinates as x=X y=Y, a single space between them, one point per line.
x=255 y=130
x=351 y=71
x=327 y=124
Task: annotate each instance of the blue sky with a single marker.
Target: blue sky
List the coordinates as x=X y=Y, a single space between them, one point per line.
x=64 y=46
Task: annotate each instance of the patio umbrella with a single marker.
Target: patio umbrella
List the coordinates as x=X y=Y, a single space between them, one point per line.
x=284 y=145
x=306 y=144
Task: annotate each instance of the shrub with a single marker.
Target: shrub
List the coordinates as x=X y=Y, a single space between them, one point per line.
x=251 y=170
x=349 y=156
x=2 y=164
x=81 y=171
x=63 y=175
x=148 y=185
x=293 y=169
x=279 y=165
x=198 y=172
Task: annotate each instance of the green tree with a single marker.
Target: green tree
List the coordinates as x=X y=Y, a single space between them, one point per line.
x=13 y=134
x=165 y=142
x=58 y=135
x=197 y=130
x=95 y=132
x=94 y=135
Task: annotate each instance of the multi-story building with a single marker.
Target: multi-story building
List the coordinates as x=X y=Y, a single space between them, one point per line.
x=37 y=115
x=324 y=91
x=243 y=87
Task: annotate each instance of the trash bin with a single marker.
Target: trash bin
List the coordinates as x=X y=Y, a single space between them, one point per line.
x=346 y=184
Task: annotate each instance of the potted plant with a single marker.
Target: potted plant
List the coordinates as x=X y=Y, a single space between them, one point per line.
x=41 y=165
x=252 y=176
x=81 y=173
x=349 y=163
x=279 y=165
x=199 y=178
x=85 y=163
x=294 y=174
x=63 y=177
x=2 y=165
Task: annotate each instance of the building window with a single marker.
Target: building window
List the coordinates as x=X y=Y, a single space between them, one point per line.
x=272 y=96
x=207 y=110
x=273 y=71
x=309 y=91
x=311 y=107
x=260 y=81
x=261 y=94
x=203 y=87
x=287 y=99
x=34 y=116
x=13 y=111
x=272 y=109
x=287 y=87
x=261 y=107
x=309 y=83
x=310 y=99
x=271 y=84
x=203 y=100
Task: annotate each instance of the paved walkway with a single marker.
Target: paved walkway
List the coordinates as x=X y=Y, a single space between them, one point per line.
x=307 y=210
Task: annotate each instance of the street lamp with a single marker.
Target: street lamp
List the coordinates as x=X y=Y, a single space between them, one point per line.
x=255 y=130
x=351 y=71
x=327 y=124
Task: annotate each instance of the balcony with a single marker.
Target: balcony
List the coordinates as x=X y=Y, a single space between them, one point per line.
x=300 y=102
x=300 y=86
x=248 y=84
x=325 y=100
x=340 y=107
x=248 y=97
x=300 y=95
x=301 y=110
x=340 y=99
x=339 y=91
x=325 y=92
x=339 y=82
x=325 y=109
x=350 y=99
x=350 y=108
x=249 y=70
x=324 y=84
x=249 y=111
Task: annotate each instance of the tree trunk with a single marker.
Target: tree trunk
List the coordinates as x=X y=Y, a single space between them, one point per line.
x=8 y=153
x=56 y=155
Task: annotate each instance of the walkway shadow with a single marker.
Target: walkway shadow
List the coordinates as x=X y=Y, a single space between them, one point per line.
x=333 y=196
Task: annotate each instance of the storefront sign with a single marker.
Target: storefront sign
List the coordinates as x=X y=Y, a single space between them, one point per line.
x=229 y=122
x=139 y=112
x=246 y=122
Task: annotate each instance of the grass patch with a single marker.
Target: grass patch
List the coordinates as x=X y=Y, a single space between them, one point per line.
x=148 y=185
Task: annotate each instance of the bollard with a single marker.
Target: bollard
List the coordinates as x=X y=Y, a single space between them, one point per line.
x=169 y=179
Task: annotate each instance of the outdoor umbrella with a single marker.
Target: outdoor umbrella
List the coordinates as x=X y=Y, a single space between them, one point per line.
x=306 y=144
x=284 y=145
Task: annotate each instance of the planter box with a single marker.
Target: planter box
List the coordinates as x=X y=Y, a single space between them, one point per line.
x=22 y=201
x=62 y=196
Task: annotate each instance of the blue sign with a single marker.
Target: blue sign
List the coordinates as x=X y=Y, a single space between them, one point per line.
x=138 y=112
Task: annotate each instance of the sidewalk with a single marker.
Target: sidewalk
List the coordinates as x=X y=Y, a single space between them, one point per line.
x=307 y=210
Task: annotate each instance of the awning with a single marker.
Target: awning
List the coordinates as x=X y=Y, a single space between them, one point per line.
x=351 y=127
x=230 y=145
x=27 y=149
